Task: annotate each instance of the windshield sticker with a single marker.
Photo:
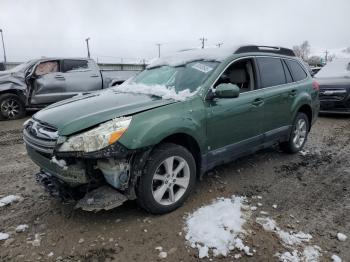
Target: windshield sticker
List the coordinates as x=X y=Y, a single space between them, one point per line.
x=203 y=68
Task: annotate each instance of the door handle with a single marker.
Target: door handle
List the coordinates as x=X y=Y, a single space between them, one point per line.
x=258 y=102
x=59 y=77
x=94 y=76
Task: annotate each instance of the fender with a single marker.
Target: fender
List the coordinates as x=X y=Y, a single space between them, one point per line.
x=302 y=99
x=165 y=123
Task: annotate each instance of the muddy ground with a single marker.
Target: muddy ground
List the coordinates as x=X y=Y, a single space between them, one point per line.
x=312 y=194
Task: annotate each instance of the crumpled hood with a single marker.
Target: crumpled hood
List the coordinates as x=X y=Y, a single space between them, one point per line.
x=81 y=112
x=8 y=76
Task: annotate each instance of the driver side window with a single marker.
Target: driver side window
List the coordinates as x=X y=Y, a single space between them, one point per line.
x=47 y=67
x=241 y=73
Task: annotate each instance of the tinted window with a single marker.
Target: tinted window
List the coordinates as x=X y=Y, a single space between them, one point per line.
x=70 y=65
x=287 y=72
x=271 y=71
x=297 y=71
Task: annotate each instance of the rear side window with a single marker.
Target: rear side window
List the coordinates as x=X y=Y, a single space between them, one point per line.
x=271 y=71
x=297 y=71
x=287 y=72
x=71 y=65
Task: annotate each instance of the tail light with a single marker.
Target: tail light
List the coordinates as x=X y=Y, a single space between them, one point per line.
x=316 y=86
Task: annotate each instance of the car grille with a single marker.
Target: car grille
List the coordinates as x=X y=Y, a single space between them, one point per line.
x=39 y=136
x=332 y=94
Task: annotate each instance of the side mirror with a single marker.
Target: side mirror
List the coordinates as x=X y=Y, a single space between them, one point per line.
x=227 y=91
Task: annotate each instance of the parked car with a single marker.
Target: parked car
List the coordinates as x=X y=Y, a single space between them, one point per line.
x=38 y=83
x=334 y=80
x=151 y=137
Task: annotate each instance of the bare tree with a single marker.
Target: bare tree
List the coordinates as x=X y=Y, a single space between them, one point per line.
x=302 y=50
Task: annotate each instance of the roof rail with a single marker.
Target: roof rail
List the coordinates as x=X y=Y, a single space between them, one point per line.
x=265 y=49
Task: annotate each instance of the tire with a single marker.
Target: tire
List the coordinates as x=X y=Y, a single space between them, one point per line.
x=298 y=136
x=11 y=107
x=154 y=190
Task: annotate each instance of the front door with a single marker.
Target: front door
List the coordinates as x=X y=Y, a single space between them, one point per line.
x=234 y=125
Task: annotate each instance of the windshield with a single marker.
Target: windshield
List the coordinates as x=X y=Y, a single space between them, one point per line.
x=22 y=67
x=170 y=82
x=189 y=76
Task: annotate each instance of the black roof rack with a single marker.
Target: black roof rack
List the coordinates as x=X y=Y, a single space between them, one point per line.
x=265 y=49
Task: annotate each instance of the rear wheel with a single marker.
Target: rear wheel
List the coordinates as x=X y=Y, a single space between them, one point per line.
x=11 y=107
x=298 y=136
x=168 y=179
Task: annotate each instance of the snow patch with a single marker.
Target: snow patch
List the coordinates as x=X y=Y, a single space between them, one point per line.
x=21 y=228
x=157 y=90
x=184 y=57
x=60 y=162
x=218 y=227
x=341 y=237
x=335 y=258
x=310 y=254
x=292 y=239
x=8 y=200
x=336 y=68
x=4 y=236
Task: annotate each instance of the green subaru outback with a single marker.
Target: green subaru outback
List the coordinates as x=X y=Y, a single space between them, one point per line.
x=152 y=137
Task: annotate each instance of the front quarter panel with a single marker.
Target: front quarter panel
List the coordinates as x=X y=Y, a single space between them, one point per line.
x=151 y=127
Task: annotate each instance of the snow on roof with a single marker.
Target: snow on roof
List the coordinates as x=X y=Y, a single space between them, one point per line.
x=337 y=68
x=187 y=56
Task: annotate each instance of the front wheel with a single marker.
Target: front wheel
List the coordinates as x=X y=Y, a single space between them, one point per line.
x=298 y=136
x=168 y=179
x=11 y=107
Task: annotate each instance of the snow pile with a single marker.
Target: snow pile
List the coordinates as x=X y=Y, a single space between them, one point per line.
x=157 y=90
x=8 y=200
x=288 y=238
x=187 y=56
x=310 y=254
x=217 y=227
x=292 y=240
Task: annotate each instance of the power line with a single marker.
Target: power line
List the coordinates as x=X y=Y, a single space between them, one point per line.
x=203 y=40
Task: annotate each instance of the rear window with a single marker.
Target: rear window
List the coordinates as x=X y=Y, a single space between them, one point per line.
x=71 y=65
x=297 y=71
x=271 y=71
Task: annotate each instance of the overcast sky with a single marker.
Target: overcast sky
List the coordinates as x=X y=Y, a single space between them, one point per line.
x=131 y=28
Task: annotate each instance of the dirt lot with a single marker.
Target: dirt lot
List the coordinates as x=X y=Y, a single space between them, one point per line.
x=311 y=191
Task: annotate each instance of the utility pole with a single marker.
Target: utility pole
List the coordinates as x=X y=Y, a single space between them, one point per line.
x=203 y=40
x=158 y=49
x=87 y=46
x=3 y=47
x=326 y=56
x=219 y=44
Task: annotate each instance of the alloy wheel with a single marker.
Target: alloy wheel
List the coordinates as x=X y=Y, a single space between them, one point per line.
x=170 y=180
x=300 y=133
x=10 y=108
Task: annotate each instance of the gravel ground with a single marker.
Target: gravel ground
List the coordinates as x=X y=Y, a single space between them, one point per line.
x=311 y=191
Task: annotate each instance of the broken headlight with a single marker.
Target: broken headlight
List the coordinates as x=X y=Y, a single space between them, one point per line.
x=96 y=138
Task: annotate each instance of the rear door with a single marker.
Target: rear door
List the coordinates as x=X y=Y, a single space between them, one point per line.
x=276 y=81
x=81 y=76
